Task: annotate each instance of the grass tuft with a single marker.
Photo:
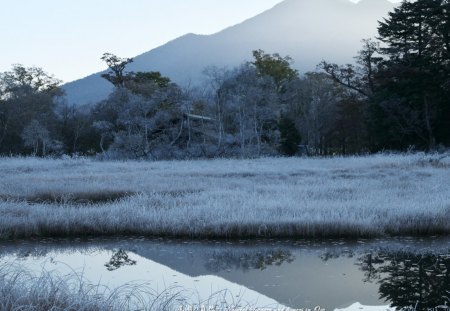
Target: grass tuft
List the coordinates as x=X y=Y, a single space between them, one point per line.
x=21 y=290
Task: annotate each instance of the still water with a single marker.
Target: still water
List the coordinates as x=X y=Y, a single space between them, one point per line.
x=332 y=274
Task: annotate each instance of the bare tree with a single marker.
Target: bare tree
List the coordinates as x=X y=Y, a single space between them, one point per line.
x=359 y=79
x=36 y=136
x=250 y=109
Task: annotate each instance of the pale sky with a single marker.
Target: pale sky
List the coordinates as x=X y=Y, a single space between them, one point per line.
x=67 y=37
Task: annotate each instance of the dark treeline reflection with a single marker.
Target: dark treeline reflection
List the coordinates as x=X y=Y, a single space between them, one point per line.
x=407 y=280
x=260 y=260
x=420 y=281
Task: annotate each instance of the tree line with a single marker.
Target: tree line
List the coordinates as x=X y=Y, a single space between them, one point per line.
x=395 y=97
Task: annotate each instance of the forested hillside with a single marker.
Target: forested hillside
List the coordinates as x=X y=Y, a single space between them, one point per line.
x=397 y=97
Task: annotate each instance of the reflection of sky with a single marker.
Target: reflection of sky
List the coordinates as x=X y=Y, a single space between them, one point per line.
x=308 y=281
x=300 y=274
x=161 y=278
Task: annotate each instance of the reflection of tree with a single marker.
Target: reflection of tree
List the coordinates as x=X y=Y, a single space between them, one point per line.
x=410 y=280
x=245 y=261
x=333 y=254
x=368 y=264
x=36 y=253
x=119 y=259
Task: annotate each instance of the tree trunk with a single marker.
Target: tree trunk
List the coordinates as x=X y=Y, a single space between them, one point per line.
x=219 y=120
x=429 y=128
x=189 y=131
x=102 y=138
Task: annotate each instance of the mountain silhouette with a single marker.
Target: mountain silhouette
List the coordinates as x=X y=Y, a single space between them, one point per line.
x=307 y=30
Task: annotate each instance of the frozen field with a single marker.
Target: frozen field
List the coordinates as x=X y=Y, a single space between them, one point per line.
x=371 y=196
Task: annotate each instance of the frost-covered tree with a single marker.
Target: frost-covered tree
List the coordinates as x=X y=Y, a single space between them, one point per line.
x=250 y=104
x=285 y=79
x=143 y=117
x=216 y=96
x=26 y=94
x=250 y=101
x=23 y=79
x=139 y=126
x=74 y=127
x=37 y=137
x=316 y=111
x=104 y=128
x=200 y=130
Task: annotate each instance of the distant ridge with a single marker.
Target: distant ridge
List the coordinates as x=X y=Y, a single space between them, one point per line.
x=307 y=30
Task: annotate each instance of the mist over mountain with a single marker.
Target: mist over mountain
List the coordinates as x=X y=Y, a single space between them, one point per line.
x=306 y=30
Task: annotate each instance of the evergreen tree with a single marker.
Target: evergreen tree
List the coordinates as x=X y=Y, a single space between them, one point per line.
x=290 y=137
x=404 y=80
x=411 y=105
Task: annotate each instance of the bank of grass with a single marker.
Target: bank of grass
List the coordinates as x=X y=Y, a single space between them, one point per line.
x=371 y=196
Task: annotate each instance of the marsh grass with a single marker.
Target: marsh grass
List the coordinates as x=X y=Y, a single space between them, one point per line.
x=24 y=291
x=372 y=196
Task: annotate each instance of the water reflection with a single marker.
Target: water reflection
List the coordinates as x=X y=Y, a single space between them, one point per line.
x=368 y=263
x=408 y=280
x=239 y=260
x=119 y=259
x=401 y=273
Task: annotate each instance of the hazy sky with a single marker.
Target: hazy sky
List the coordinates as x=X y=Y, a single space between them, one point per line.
x=68 y=37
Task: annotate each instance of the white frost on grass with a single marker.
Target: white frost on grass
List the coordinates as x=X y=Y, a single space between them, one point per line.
x=21 y=289
x=355 y=196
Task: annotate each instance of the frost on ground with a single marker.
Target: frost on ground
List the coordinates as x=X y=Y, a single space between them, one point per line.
x=271 y=197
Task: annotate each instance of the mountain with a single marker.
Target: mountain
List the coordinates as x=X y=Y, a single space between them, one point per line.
x=307 y=30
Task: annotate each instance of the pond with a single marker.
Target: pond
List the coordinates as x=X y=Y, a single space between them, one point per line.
x=333 y=274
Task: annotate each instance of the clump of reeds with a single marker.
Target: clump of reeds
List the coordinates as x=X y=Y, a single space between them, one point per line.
x=21 y=290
